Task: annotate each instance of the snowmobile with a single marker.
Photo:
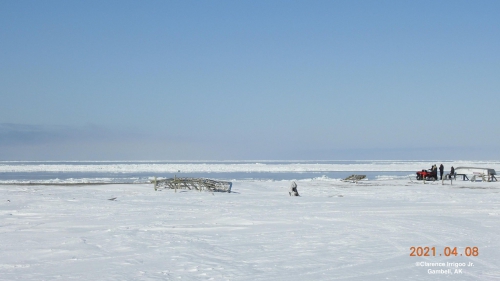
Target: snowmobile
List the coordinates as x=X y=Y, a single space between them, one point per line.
x=427 y=175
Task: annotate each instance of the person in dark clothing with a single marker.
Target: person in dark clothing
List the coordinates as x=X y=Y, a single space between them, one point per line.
x=441 y=170
x=452 y=173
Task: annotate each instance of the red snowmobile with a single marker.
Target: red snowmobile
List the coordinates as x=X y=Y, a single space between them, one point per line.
x=427 y=175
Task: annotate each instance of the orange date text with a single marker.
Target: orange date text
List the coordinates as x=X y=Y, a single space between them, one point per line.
x=446 y=252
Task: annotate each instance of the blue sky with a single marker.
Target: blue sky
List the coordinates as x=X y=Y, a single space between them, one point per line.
x=193 y=80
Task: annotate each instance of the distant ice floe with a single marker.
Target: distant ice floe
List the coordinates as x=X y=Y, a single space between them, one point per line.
x=367 y=166
x=126 y=172
x=321 y=178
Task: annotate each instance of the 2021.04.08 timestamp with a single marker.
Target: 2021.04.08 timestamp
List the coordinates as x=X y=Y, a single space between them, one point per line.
x=447 y=251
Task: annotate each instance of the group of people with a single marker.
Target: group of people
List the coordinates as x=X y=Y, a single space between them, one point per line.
x=294 y=192
x=441 y=171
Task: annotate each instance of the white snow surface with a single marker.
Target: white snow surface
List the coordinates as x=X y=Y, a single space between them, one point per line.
x=334 y=231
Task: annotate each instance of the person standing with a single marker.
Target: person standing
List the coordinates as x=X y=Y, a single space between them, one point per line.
x=452 y=173
x=441 y=170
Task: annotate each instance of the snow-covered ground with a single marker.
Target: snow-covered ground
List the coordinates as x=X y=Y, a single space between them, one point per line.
x=334 y=231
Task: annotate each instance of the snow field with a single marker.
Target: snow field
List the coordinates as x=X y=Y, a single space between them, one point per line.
x=334 y=231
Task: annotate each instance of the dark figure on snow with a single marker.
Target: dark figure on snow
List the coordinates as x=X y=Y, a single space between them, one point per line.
x=452 y=173
x=441 y=170
x=293 y=190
